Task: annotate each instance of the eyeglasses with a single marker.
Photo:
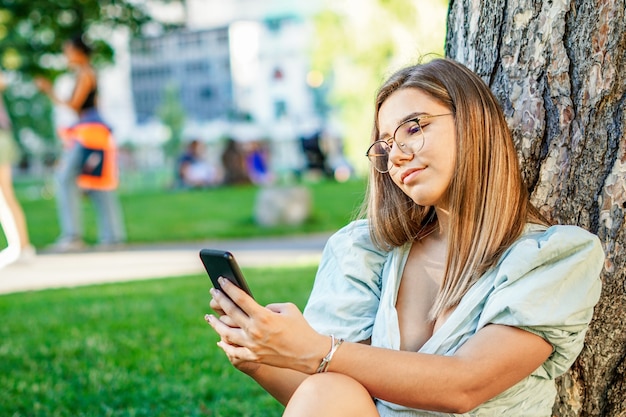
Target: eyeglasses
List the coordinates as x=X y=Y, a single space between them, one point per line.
x=408 y=136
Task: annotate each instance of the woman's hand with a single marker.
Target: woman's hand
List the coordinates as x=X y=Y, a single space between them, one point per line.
x=276 y=335
x=43 y=84
x=248 y=368
x=221 y=314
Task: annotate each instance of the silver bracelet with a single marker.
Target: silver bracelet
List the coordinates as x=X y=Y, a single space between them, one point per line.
x=334 y=343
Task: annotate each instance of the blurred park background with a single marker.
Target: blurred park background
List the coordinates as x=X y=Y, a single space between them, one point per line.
x=294 y=80
x=291 y=82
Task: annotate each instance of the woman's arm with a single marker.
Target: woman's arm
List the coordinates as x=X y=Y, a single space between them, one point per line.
x=85 y=83
x=493 y=360
x=280 y=383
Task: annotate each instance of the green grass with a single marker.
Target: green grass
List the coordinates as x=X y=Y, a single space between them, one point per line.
x=130 y=349
x=173 y=216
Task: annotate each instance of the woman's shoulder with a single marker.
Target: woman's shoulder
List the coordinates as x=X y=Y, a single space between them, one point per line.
x=548 y=283
x=87 y=73
x=353 y=245
x=355 y=234
x=356 y=228
x=556 y=237
x=561 y=228
x=541 y=246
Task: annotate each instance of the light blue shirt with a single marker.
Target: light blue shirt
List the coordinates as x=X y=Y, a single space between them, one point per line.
x=547 y=283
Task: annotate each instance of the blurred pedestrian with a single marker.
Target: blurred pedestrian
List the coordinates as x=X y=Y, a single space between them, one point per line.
x=315 y=156
x=192 y=170
x=257 y=162
x=234 y=163
x=89 y=158
x=12 y=217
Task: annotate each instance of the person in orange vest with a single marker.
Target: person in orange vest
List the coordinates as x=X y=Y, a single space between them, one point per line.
x=88 y=161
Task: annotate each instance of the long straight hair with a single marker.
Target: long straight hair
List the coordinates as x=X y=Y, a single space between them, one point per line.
x=488 y=201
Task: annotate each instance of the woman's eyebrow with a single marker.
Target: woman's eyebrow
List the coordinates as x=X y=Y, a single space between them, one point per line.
x=413 y=115
x=405 y=119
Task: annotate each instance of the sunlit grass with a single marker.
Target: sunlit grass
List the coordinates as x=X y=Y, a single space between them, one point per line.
x=130 y=349
x=220 y=213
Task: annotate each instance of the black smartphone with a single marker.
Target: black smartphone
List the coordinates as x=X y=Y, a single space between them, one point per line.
x=220 y=263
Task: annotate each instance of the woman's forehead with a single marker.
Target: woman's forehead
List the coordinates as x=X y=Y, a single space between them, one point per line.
x=403 y=103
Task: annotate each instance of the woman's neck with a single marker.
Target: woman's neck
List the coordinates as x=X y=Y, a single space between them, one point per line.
x=443 y=218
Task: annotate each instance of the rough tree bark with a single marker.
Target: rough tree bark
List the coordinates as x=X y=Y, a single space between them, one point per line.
x=558 y=68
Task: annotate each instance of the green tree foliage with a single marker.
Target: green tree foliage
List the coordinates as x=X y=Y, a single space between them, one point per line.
x=172 y=115
x=359 y=42
x=33 y=31
x=31 y=36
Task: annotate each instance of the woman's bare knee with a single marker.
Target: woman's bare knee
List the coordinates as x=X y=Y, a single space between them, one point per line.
x=330 y=394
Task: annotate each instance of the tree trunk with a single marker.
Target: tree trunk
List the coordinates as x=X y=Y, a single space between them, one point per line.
x=558 y=68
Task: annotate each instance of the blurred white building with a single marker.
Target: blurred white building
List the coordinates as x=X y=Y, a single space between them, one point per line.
x=242 y=69
x=194 y=64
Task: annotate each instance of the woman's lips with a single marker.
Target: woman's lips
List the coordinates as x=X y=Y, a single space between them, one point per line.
x=410 y=174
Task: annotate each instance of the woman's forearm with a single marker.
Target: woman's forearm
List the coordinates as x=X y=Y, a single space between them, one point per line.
x=496 y=358
x=280 y=383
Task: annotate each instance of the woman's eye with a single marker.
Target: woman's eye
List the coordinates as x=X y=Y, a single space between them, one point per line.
x=413 y=128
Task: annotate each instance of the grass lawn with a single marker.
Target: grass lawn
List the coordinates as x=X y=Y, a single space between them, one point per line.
x=130 y=349
x=220 y=213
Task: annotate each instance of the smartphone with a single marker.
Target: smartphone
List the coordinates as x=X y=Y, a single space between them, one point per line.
x=220 y=263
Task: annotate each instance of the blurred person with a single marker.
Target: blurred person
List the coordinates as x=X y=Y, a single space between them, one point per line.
x=257 y=163
x=12 y=219
x=89 y=158
x=234 y=164
x=192 y=171
x=337 y=162
x=316 y=158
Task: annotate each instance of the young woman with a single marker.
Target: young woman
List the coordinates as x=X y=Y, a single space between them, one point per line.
x=454 y=295
x=12 y=220
x=88 y=161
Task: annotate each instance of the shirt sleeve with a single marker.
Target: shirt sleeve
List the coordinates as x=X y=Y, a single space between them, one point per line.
x=548 y=284
x=347 y=287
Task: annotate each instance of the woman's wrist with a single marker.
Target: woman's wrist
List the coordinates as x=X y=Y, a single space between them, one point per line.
x=335 y=342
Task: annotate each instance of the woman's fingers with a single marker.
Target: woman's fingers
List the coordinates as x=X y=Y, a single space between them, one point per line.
x=237 y=354
x=43 y=84
x=223 y=304
x=239 y=299
x=228 y=321
x=215 y=306
x=221 y=314
x=230 y=335
x=275 y=335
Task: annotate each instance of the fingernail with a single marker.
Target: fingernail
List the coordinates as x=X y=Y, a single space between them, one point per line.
x=222 y=280
x=208 y=317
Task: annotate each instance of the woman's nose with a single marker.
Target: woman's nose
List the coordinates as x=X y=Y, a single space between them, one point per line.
x=398 y=157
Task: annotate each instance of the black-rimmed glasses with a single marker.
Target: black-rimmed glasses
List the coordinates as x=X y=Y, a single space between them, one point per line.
x=408 y=137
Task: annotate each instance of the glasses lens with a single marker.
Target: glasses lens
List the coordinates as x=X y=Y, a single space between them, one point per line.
x=378 y=154
x=409 y=137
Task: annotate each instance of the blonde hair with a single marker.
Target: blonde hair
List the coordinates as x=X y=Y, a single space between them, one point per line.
x=488 y=201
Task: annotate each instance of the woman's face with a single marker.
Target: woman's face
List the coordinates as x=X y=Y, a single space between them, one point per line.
x=72 y=54
x=426 y=175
